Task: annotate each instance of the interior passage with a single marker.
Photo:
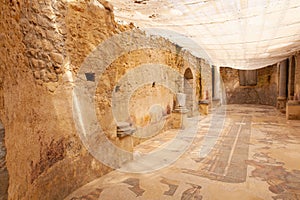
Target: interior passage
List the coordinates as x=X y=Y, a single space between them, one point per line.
x=258 y=154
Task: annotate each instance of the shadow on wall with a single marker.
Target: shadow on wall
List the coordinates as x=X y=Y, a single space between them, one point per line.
x=3 y=170
x=250 y=86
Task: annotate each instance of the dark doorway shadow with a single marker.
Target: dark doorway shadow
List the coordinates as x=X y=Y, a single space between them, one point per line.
x=3 y=170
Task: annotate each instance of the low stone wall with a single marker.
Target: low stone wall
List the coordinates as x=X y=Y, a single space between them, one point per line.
x=293 y=110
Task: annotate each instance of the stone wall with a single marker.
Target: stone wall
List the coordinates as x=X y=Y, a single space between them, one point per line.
x=265 y=92
x=3 y=169
x=44 y=44
x=138 y=80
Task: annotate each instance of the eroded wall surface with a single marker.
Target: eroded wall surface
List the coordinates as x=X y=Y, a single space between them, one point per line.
x=43 y=45
x=3 y=169
x=264 y=92
x=139 y=86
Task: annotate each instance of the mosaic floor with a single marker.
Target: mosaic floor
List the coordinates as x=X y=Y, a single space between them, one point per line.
x=238 y=152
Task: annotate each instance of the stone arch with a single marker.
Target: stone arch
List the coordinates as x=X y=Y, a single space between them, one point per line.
x=189 y=90
x=3 y=169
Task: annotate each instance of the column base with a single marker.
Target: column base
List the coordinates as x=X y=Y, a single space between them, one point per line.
x=181 y=109
x=281 y=104
x=179 y=120
x=293 y=110
x=203 y=107
x=216 y=103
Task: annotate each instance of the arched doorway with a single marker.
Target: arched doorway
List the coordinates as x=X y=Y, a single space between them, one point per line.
x=3 y=169
x=188 y=90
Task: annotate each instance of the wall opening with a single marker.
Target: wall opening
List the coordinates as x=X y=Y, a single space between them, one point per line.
x=3 y=169
x=248 y=77
x=188 y=90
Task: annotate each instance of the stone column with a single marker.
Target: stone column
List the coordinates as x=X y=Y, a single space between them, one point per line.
x=216 y=101
x=291 y=86
x=213 y=80
x=180 y=103
x=283 y=79
x=216 y=83
x=293 y=104
x=282 y=97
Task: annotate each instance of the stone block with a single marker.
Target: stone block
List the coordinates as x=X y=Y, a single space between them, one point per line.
x=178 y=120
x=281 y=104
x=216 y=103
x=203 y=107
x=293 y=110
x=56 y=57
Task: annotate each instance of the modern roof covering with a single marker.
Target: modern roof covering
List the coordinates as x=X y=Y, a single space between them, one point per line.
x=244 y=34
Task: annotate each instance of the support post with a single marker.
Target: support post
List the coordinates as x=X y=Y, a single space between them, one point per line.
x=283 y=79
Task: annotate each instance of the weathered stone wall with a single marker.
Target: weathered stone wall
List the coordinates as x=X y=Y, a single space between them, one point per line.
x=143 y=101
x=140 y=79
x=206 y=82
x=265 y=92
x=3 y=169
x=42 y=45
